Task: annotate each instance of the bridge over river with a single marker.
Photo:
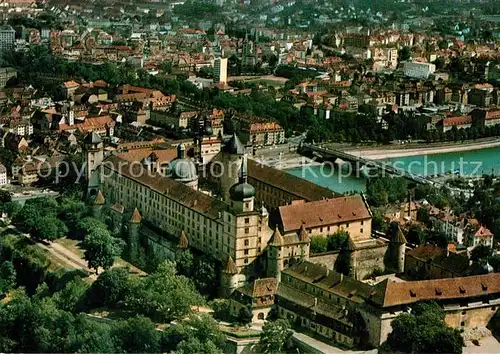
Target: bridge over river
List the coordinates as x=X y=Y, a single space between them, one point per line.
x=359 y=163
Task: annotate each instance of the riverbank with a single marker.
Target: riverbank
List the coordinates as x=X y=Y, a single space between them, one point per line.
x=289 y=161
x=381 y=153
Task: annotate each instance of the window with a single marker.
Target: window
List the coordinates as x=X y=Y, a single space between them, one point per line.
x=247 y=220
x=361 y=222
x=361 y=230
x=246 y=261
x=247 y=242
x=347 y=225
x=247 y=230
x=245 y=252
x=260 y=316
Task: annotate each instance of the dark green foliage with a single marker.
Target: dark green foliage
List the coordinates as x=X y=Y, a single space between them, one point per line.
x=221 y=308
x=110 y=288
x=200 y=269
x=424 y=331
x=318 y=244
x=336 y=240
x=101 y=249
x=416 y=235
x=481 y=253
x=276 y=336
x=245 y=315
x=5 y=197
x=381 y=191
x=137 y=335
x=7 y=276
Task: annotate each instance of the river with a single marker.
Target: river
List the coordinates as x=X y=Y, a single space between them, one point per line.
x=466 y=163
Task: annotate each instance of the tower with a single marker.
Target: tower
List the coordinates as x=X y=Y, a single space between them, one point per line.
x=397 y=247
x=305 y=241
x=133 y=233
x=94 y=155
x=182 y=245
x=97 y=205
x=274 y=255
x=346 y=260
x=229 y=278
x=220 y=71
x=242 y=194
x=232 y=158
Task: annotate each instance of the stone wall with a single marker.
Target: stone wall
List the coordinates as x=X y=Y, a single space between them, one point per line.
x=367 y=259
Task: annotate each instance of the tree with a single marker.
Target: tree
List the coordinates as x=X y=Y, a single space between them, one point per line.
x=481 y=253
x=221 y=308
x=137 y=335
x=5 y=197
x=101 y=249
x=200 y=334
x=423 y=330
x=72 y=297
x=7 y=276
x=318 y=244
x=423 y=215
x=86 y=226
x=48 y=228
x=110 y=288
x=163 y=295
x=276 y=336
x=404 y=54
x=336 y=240
x=416 y=235
x=245 y=315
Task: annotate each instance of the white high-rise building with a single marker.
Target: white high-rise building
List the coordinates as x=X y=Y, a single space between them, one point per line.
x=220 y=71
x=7 y=38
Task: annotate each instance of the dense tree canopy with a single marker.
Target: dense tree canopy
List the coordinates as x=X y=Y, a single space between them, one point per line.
x=423 y=330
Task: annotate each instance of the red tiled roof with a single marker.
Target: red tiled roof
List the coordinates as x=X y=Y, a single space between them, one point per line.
x=454 y=121
x=483 y=232
x=394 y=293
x=323 y=212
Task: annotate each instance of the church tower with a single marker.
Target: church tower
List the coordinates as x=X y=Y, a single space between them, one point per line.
x=242 y=194
x=232 y=158
x=94 y=155
x=275 y=255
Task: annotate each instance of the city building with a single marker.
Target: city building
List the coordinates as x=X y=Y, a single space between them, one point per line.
x=258 y=296
x=3 y=175
x=7 y=38
x=220 y=70
x=262 y=134
x=418 y=70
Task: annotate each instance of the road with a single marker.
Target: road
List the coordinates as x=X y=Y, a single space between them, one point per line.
x=63 y=254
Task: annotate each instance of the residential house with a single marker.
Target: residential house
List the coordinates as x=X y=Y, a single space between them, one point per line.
x=258 y=296
x=263 y=134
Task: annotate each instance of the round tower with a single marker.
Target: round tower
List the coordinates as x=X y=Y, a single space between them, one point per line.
x=97 y=205
x=229 y=278
x=275 y=255
x=398 y=246
x=182 y=245
x=133 y=233
x=346 y=260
